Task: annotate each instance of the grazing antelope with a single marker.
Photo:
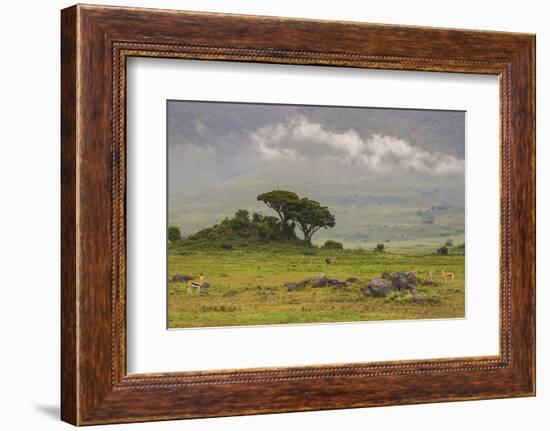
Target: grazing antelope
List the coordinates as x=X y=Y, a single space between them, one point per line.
x=447 y=275
x=330 y=260
x=195 y=284
x=430 y=276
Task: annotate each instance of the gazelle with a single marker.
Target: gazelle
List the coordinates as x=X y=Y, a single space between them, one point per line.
x=195 y=284
x=447 y=275
x=430 y=276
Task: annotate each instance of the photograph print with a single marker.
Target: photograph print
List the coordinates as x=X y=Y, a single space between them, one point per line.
x=297 y=214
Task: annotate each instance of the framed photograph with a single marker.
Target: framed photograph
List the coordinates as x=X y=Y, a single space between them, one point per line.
x=263 y=214
x=294 y=214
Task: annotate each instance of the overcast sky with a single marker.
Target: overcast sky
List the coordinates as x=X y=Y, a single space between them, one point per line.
x=212 y=142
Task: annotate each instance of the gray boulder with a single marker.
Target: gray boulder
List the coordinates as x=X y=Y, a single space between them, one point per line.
x=401 y=284
x=324 y=281
x=321 y=281
x=396 y=281
x=181 y=278
x=292 y=286
x=378 y=287
x=403 y=281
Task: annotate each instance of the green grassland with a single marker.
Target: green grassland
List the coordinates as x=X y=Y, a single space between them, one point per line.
x=247 y=286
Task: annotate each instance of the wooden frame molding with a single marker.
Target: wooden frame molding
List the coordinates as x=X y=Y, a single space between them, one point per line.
x=95 y=43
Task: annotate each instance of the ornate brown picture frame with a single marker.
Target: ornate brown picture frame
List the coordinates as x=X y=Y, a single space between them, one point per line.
x=96 y=41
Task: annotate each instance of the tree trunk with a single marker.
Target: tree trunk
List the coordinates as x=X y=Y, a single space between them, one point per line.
x=307 y=232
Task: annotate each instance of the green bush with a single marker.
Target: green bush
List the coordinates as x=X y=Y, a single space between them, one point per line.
x=398 y=296
x=333 y=245
x=174 y=233
x=379 y=248
x=460 y=249
x=442 y=251
x=242 y=231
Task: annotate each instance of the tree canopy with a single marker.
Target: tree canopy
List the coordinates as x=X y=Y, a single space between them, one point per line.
x=307 y=214
x=310 y=216
x=281 y=202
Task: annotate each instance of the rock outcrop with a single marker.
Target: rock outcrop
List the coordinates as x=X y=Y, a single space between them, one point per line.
x=394 y=282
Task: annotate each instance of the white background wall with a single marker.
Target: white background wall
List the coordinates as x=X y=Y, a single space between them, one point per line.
x=29 y=225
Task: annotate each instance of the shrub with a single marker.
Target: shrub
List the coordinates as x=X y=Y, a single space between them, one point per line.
x=449 y=242
x=240 y=231
x=428 y=219
x=174 y=233
x=333 y=245
x=442 y=251
x=398 y=296
x=379 y=248
x=257 y=217
x=460 y=248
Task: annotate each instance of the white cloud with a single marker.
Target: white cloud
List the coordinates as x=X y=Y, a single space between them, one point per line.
x=298 y=138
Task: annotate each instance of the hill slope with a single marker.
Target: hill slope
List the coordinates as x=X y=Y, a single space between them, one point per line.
x=367 y=208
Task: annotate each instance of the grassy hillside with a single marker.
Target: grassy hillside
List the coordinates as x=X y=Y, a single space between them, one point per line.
x=368 y=209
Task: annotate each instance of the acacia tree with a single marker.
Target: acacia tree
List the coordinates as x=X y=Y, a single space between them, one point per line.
x=310 y=216
x=280 y=201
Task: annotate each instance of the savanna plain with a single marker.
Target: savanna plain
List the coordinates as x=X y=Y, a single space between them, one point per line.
x=255 y=286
